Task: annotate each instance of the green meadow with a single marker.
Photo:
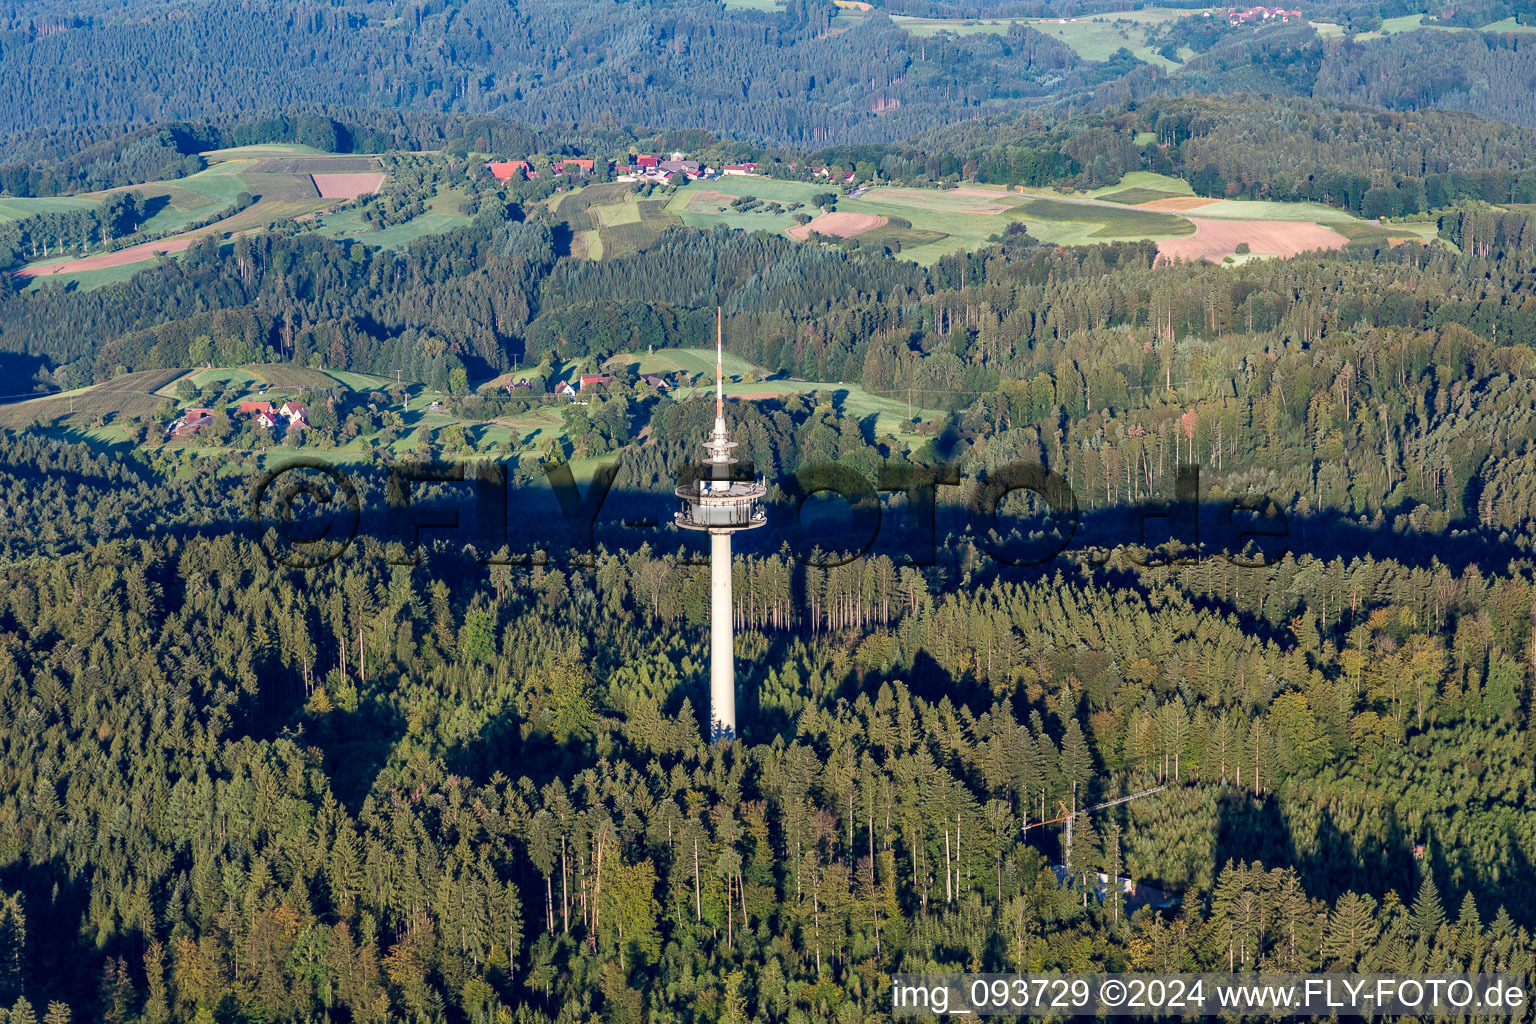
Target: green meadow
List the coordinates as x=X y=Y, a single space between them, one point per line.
x=20 y=209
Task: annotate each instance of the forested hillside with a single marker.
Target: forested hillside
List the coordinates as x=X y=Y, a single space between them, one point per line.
x=807 y=74
x=468 y=782
x=783 y=77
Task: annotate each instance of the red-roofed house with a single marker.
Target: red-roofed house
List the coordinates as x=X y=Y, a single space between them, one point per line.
x=506 y=170
x=246 y=408
x=739 y=169
x=595 y=379
x=646 y=161
x=195 y=420
x=576 y=166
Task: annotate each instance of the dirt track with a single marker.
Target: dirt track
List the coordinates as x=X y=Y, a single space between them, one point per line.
x=1215 y=239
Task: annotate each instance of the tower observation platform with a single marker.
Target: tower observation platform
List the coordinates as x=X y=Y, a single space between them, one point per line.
x=717 y=505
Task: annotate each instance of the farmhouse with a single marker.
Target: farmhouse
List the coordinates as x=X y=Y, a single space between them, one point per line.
x=191 y=423
x=739 y=169
x=691 y=168
x=646 y=162
x=506 y=170
x=595 y=380
x=247 y=408
x=655 y=381
x=575 y=166
x=565 y=388
x=293 y=412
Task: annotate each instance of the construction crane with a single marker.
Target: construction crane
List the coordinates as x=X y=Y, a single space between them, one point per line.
x=1066 y=814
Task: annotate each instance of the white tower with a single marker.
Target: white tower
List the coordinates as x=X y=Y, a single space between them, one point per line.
x=720 y=507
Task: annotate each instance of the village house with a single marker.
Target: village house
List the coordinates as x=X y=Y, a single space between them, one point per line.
x=1239 y=17
x=506 y=170
x=595 y=380
x=655 y=381
x=565 y=388
x=191 y=423
x=293 y=412
x=739 y=169
x=692 y=168
x=247 y=408
x=576 y=166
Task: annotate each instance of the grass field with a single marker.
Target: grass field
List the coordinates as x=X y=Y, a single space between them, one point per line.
x=20 y=209
x=890 y=412
x=1258 y=209
x=1137 y=196
x=265 y=149
x=1391 y=26
x=956 y=26
x=1137 y=179
x=611 y=220
x=695 y=361
x=930 y=223
x=1064 y=223
x=1508 y=25
x=443 y=213
x=85 y=280
x=1411 y=22
x=1092 y=37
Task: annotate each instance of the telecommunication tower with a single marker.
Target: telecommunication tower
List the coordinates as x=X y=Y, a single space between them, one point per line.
x=720 y=506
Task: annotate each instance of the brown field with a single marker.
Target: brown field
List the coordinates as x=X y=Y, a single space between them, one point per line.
x=838 y=225
x=1178 y=204
x=120 y=258
x=1214 y=239
x=347 y=186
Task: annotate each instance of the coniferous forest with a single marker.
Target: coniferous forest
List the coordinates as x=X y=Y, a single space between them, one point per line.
x=469 y=779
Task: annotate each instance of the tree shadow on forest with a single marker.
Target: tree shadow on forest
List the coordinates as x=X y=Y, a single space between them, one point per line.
x=1250 y=828
x=60 y=964
x=1254 y=828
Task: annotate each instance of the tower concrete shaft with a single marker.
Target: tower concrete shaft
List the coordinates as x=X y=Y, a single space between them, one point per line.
x=722 y=658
